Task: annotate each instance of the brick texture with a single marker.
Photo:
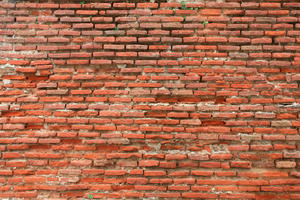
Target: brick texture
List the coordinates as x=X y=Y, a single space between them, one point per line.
x=150 y=99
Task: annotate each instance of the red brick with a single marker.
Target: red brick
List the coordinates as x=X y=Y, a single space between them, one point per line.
x=120 y=97
x=147 y=5
x=154 y=173
x=199 y=195
x=241 y=164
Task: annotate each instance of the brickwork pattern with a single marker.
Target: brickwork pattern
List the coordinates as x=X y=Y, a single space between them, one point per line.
x=138 y=100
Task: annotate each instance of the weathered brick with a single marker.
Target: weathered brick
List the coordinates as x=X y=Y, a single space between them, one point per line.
x=153 y=96
x=285 y=164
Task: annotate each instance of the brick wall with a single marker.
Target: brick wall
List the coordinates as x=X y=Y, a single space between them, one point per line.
x=140 y=100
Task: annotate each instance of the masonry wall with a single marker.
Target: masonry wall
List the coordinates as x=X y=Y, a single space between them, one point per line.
x=141 y=100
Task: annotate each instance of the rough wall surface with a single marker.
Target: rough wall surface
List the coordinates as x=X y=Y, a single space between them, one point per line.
x=149 y=100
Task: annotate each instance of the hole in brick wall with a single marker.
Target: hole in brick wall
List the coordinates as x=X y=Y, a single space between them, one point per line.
x=220 y=100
